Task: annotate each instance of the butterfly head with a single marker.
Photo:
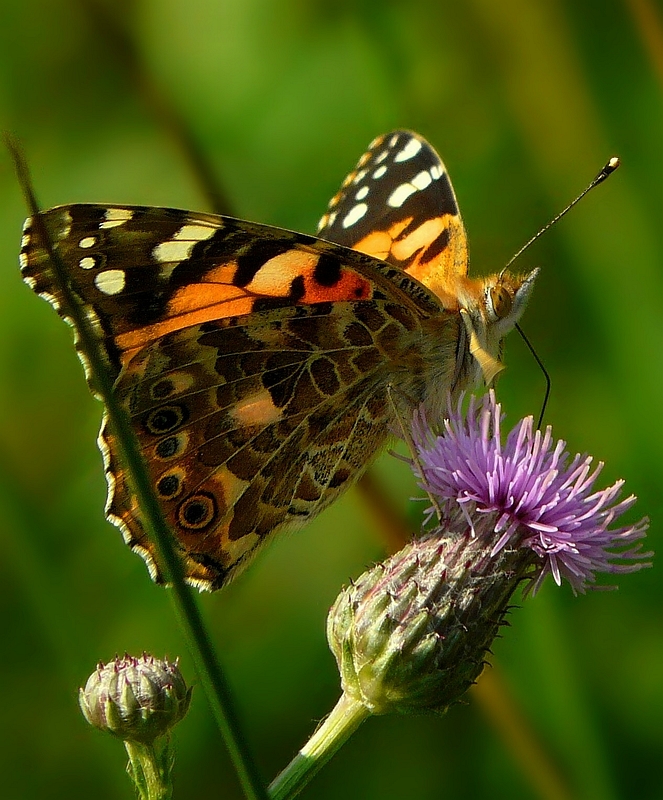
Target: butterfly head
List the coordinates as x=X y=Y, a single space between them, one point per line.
x=489 y=312
x=505 y=297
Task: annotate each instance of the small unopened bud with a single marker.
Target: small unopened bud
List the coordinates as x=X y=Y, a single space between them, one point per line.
x=410 y=635
x=135 y=699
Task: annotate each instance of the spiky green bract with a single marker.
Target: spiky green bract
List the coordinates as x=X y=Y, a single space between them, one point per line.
x=410 y=635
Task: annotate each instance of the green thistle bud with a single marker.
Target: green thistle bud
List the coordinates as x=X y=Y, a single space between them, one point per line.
x=411 y=634
x=135 y=699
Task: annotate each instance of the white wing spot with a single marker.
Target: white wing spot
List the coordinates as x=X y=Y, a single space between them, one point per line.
x=65 y=230
x=393 y=140
x=180 y=246
x=354 y=215
x=87 y=263
x=332 y=218
x=198 y=233
x=25 y=240
x=436 y=172
x=400 y=195
x=361 y=194
x=379 y=172
x=360 y=176
x=324 y=219
x=87 y=241
x=382 y=156
x=409 y=151
x=111 y=281
x=23 y=263
x=422 y=180
x=116 y=217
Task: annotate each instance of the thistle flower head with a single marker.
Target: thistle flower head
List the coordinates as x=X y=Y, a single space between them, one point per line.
x=411 y=634
x=135 y=699
x=537 y=496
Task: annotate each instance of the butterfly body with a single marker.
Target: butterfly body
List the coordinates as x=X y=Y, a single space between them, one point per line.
x=263 y=369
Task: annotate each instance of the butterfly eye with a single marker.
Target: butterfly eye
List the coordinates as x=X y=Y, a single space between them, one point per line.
x=501 y=301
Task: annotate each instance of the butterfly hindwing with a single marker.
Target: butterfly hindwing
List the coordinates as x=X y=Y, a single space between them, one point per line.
x=399 y=206
x=250 y=429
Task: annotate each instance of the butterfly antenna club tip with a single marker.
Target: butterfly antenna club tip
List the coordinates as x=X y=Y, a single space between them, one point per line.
x=607 y=170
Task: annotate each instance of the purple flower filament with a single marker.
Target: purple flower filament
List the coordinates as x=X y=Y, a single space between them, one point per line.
x=540 y=500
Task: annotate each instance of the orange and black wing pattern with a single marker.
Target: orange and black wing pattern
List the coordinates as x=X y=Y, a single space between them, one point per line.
x=253 y=362
x=398 y=205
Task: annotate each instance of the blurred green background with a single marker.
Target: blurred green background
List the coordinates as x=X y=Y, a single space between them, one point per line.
x=525 y=100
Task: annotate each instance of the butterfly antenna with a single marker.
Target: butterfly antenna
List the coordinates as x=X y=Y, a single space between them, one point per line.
x=609 y=168
x=542 y=368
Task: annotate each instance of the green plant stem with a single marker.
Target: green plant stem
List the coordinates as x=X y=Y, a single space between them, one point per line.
x=150 y=770
x=334 y=731
x=187 y=610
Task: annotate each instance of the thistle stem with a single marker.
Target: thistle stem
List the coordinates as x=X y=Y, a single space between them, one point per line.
x=346 y=716
x=149 y=770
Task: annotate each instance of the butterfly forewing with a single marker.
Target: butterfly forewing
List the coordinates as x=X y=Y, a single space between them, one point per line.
x=144 y=272
x=398 y=205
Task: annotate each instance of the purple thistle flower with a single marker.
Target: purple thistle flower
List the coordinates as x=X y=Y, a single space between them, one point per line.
x=411 y=635
x=538 y=500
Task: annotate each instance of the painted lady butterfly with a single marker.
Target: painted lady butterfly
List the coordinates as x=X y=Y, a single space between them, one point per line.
x=256 y=364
